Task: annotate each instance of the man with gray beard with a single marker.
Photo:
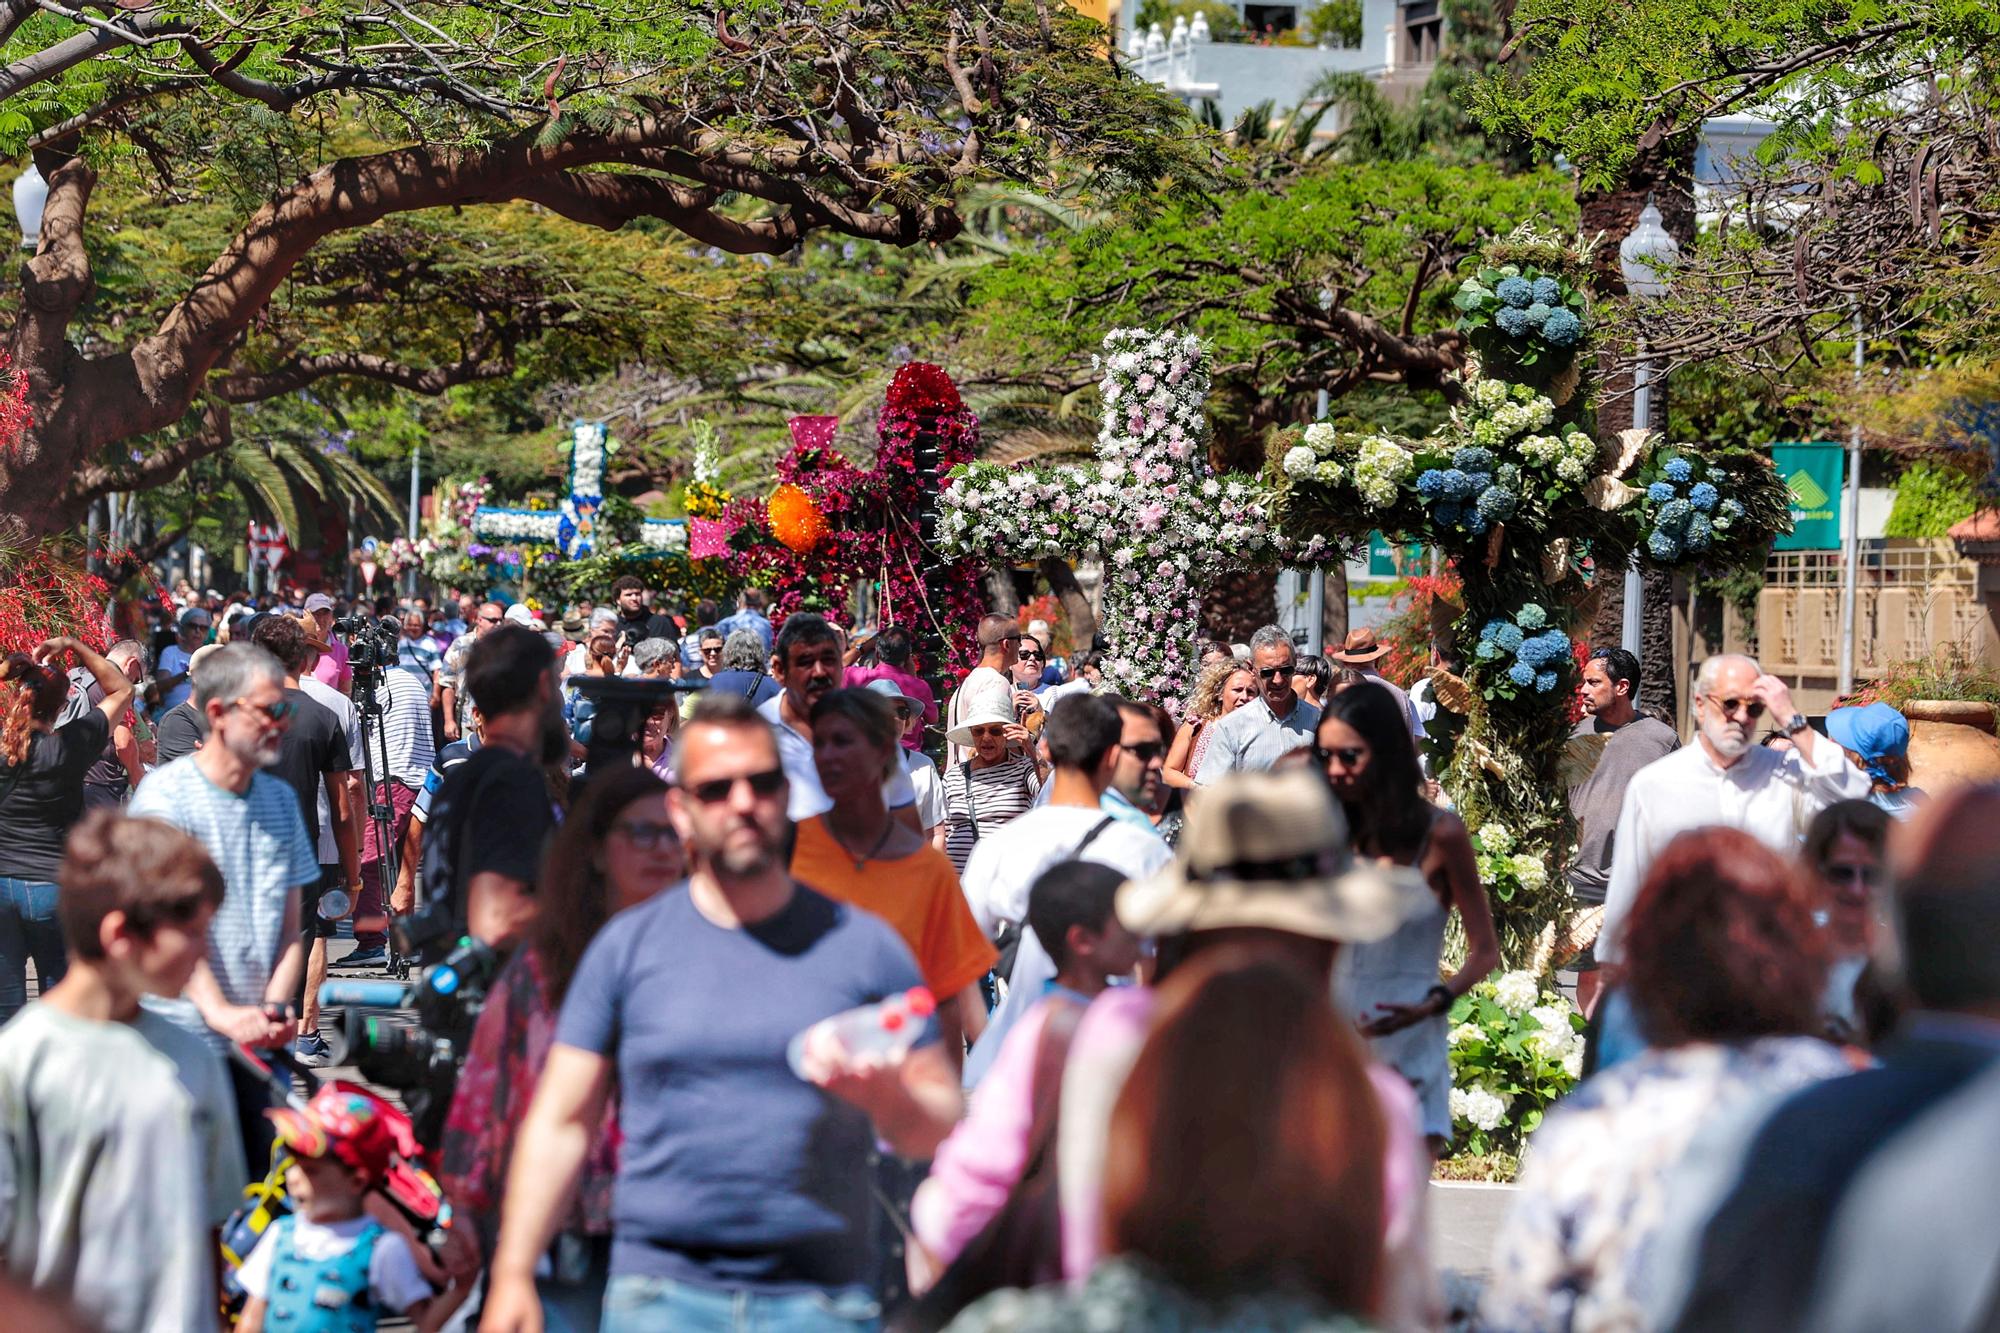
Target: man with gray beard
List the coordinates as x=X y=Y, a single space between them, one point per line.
x=1725 y=779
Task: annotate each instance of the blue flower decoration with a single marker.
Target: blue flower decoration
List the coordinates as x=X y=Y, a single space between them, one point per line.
x=1431 y=484
x=1509 y=638
x=1490 y=629
x=1731 y=509
x=1548 y=291
x=1677 y=469
x=1534 y=652
x=1480 y=481
x=1659 y=492
x=1475 y=522
x=1545 y=681
x=1561 y=328
x=1531 y=616
x=1703 y=496
x=1699 y=534
x=1518 y=293
x=1457 y=485
x=1664 y=546
x=1449 y=513
x=1511 y=322
x=1497 y=504
x=1473 y=459
x=1538 y=314
x=1521 y=674
x=1674 y=516
x=1488 y=650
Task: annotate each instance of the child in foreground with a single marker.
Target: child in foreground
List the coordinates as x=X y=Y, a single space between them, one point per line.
x=328 y=1267
x=119 y=1154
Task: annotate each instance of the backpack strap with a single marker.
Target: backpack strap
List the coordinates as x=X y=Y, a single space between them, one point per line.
x=1076 y=853
x=971 y=810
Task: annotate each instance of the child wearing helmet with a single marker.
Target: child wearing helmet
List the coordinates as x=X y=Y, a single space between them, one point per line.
x=329 y=1267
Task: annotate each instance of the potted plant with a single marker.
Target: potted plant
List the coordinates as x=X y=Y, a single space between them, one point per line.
x=1949 y=698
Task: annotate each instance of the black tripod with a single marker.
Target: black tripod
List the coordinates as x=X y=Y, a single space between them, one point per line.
x=365 y=652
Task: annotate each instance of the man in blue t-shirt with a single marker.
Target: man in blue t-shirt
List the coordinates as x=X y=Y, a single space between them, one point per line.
x=743 y=1196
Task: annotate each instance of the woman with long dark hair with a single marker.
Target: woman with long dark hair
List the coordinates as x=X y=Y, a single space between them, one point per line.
x=42 y=767
x=1243 y=1184
x=1393 y=987
x=616 y=849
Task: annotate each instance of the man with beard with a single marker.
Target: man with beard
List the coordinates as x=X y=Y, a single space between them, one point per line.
x=744 y=1196
x=1725 y=779
x=482 y=846
x=249 y=821
x=808 y=663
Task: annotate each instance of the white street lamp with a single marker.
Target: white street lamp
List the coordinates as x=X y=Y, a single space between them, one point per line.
x=1646 y=259
x=31 y=196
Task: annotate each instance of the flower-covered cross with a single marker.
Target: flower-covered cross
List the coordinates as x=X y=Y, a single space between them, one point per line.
x=1164 y=522
x=572 y=529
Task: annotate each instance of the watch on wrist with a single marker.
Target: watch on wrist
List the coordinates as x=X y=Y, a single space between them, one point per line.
x=1795 y=726
x=1443 y=997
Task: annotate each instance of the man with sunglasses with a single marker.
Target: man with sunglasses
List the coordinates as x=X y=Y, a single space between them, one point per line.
x=454 y=700
x=249 y=820
x=1260 y=733
x=744 y=1191
x=1725 y=778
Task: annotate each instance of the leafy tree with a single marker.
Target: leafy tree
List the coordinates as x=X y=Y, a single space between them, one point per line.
x=323 y=135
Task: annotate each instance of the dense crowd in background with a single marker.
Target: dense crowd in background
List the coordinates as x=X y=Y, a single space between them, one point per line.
x=810 y=992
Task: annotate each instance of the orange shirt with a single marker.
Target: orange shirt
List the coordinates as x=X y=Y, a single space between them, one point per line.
x=918 y=895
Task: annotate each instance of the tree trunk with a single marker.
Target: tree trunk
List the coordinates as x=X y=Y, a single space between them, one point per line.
x=1075 y=601
x=1664 y=174
x=1000 y=594
x=1333 y=614
x=1240 y=603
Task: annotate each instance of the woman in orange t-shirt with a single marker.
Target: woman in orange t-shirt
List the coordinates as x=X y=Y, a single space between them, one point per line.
x=860 y=853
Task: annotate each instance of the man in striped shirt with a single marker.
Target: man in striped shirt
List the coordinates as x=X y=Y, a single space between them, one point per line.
x=401 y=754
x=250 y=823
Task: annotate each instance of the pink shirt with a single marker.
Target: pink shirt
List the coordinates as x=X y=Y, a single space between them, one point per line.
x=978 y=1165
x=913 y=686
x=331 y=669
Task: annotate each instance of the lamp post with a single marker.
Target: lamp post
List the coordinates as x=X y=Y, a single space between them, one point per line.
x=1645 y=258
x=31 y=196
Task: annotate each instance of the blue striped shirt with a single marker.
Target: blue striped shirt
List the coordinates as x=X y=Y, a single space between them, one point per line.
x=406 y=720
x=260 y=843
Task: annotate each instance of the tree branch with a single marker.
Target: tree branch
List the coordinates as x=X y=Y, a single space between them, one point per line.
x=244 y=386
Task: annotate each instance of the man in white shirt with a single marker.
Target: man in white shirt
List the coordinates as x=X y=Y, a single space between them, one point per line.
x=1084 y=737
x=1725 y=779
x=1269 y=727
x=807 y=657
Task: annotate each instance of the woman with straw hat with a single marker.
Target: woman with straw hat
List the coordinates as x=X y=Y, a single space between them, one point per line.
x=996 y=782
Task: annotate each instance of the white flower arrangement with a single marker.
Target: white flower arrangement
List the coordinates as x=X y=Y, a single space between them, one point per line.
x=516 y=525
x=1299 y=461
x=1479 y=1106
x=1379 y=469
x=1516 y=992
x=663 y=534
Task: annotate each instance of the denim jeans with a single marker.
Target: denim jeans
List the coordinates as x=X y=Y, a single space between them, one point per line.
x=635 y=1304
x=28 y=929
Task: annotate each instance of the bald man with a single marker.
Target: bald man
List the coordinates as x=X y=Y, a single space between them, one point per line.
x=999 y=644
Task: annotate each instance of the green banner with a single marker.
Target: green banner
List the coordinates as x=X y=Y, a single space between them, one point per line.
x=1811 y=472
x=1383 y=558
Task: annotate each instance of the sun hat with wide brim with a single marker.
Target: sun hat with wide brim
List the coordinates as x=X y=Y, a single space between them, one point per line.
x=1269 y=850
x=990 y=707
x=889 y=689
x=1359 y=648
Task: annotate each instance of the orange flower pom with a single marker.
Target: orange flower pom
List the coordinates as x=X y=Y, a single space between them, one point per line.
x=796 y=520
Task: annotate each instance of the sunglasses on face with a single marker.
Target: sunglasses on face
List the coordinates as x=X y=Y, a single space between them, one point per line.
x=1750 y=708
x=276 y=712
x=997 y=732
x=149 y=917
x=708 y=651
x=645 y=834
x=491 y=620
x=715 y=791
x=1274 y=673
x=1349 y=756
x=1146 y=751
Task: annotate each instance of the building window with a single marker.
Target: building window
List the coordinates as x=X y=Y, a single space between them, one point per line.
x=1423 y=32
x=1267 y=20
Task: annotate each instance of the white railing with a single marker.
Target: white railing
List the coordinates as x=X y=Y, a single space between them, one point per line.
x=1169 y=60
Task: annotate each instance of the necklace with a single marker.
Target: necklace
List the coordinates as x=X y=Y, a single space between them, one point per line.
x=888 y=827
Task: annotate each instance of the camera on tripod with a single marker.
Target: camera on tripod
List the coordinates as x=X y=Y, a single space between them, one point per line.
x=372 y=648
x=414 y=1038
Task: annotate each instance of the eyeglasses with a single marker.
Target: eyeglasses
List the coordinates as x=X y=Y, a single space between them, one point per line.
x=711 y=652
x=992 y=729
x=647 y=835
x=491 y=620
x=1349 y=756
x=276 y=712
x=715 y=791
x=1865 y=876
x=1027 y=657
x=1145 y=751
x=1274 y=673
x=1750 y=708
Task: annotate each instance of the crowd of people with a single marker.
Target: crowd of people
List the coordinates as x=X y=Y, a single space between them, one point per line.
x=1103 y=1018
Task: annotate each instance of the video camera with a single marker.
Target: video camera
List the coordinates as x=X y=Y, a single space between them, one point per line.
x=373 y=646
x=613 y=724
x=413 y=1038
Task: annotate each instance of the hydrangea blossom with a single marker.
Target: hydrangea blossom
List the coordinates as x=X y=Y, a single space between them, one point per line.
x=1510 y=638
x=1329 y=473
x=1511 y=322
x=1516 y=992
x=1497 y=504
x=1299 y=461
x=1545 y=681
x=1674 y=516
x=1473 y=459
x=1553 y=1035
x=1521 y=674
x=1496 y=837
x=1678 y=470
x=1479 y=1106
x=1562 y=328
x=1518 y=293
x=1703 y=496
x=1531 y=616
x=1431 y=484
x=1463 y=1033
x=1699 y=534
x=1379 y=469
x=1530 y=870
x=1548 y=291
x=1538 y=314
x=1320 y=438
x=1660 y=492
x=1664 y=546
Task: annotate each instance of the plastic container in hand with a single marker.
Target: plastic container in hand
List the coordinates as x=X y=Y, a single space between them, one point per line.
x=884 y=1031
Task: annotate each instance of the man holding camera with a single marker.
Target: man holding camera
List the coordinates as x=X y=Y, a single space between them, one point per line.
x=490 y=817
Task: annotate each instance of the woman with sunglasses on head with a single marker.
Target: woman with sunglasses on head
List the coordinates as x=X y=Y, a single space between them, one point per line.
x=1392 y=987
x=996 y=783
x=1846 y=856
x=859 y=852
x=1224 y=686
x=615 y=850
x=42 y=767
